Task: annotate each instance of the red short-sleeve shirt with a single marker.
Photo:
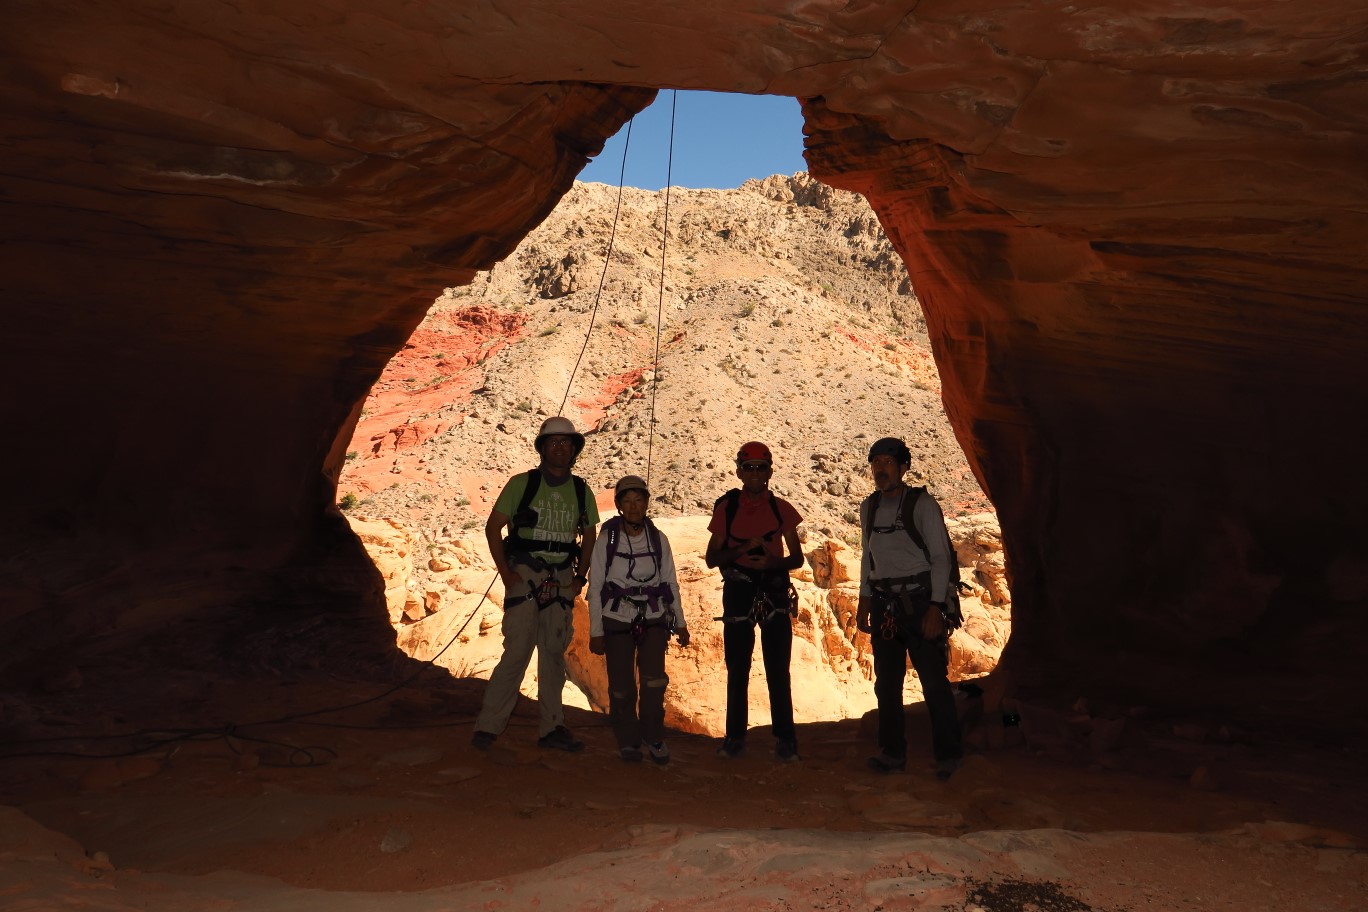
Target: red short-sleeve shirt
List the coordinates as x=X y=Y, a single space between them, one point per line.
x=755 y=518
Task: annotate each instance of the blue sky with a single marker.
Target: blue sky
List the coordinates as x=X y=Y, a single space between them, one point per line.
x=721 y=140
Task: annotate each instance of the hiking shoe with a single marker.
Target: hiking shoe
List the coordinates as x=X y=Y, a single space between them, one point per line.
x=660 y=754
x=946 y=768
x=559 y=738
x=884 y=762
x=732 y=747
x=784 y=751
x=630 y=754
x=483 y=741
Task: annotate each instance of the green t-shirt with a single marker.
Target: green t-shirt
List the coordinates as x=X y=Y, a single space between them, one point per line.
x=557 y=509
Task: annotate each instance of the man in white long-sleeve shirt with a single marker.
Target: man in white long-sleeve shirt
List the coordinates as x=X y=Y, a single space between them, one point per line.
x=633 y=610
x=905 y=607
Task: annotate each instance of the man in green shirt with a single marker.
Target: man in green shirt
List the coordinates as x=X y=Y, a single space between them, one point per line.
x=543 y=568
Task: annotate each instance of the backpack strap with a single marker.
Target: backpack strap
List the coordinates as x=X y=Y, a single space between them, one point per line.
x=581 y=493
x=867 y=515
x=525 y=518
x=909 y=525
x=778 y=520
x=955 y=586
x=732 y=499
x=519 y=518
x=611 y=530
x=653 y=543
x=733 y=503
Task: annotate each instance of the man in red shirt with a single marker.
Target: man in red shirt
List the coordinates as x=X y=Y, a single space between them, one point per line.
x=755 y=543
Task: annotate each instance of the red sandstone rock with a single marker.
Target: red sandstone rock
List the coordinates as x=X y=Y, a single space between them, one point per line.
x=1137 y=231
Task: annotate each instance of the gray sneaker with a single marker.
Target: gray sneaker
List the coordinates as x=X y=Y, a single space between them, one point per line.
x=559 y=738
x=660 y=753
x=630 y=754
x=483 y=741
x=785 y=751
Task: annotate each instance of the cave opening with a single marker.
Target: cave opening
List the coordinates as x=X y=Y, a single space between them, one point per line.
x=787 y=315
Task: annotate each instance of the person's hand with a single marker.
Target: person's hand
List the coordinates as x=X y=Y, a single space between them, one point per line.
x=596 y=645
x=933 y=625
x=862 y=616
x=683 y=637
x=753 y=561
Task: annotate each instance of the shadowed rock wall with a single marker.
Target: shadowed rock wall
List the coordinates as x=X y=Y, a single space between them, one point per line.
x=1137 y=231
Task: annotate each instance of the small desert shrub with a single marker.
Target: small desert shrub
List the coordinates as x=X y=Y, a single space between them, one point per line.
x=348 y=501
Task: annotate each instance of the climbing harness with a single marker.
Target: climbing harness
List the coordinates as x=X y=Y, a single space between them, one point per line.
x=545 y=590
x=767 y=602
x=641 y=595
x=904 y=521
x=894 y=595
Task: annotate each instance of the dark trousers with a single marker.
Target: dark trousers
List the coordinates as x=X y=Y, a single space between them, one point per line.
x=930 y=661
x=776 y=650
x=629 y=661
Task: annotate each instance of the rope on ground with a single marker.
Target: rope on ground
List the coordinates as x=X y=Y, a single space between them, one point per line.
x=150 y=739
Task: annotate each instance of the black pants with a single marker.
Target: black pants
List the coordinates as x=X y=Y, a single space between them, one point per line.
x=776 y=650
x=930 y=661
x=628 y=662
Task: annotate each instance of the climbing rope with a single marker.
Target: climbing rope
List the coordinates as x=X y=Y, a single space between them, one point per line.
x=148 y=740
x=607 y=258
x=660 y=300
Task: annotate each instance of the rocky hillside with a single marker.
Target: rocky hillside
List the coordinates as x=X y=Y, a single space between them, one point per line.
x=783 y=315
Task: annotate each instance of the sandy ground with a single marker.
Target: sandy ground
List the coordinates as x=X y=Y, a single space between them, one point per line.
x=385 y=805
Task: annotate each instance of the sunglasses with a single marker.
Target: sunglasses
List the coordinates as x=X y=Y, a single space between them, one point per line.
x=754 y=466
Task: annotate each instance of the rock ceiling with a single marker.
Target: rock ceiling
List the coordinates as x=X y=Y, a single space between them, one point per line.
x=1138 y=231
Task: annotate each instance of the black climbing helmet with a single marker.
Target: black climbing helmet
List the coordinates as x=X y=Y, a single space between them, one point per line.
x=891 y=446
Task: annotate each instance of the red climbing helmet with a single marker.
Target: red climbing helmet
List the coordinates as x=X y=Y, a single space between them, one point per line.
x=753 y=452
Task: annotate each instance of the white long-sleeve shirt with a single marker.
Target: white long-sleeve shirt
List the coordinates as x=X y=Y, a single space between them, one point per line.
x=893 y=554
x=633 y=565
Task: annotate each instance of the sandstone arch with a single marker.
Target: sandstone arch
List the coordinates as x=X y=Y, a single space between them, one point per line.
x=1138 y=232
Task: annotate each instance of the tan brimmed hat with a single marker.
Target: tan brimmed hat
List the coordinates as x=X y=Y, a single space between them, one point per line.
x=630 y=483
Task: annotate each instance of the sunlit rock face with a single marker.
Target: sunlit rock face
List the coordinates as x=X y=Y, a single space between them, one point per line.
x=1137 y=230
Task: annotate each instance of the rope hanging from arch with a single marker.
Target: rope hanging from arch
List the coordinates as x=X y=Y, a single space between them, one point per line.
x=593 y=313
x=660 y=298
